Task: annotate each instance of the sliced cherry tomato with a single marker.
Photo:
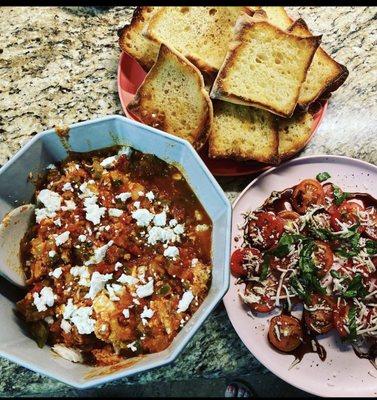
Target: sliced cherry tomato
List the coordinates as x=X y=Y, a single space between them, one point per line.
x=348 y=212
x=323 y=257
x=319 y=317
x=307 y=193
x=328 y=189
x=334 y=217
x=285 y=333
x=278 y=264
x=340 y=314
x=371 y=230
x=265 y=304
x=238 y=260
x=270 y=226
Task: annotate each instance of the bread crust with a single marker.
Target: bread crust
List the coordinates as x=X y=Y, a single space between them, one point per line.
x=219 y=91
x=334 y=82
x=135 y=107
x=138 y=19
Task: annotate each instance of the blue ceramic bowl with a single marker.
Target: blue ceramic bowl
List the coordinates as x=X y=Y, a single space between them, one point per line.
x=15 y=188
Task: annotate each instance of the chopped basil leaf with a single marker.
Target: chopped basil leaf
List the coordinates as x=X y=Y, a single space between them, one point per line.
x=265 y=267
x=285 y=242
x=371 y=247
x=355 y=288
x=335 y=274
x=352 y=323
x=339 y=196
x=323 y=176
x=321 y=233
x=351 y=245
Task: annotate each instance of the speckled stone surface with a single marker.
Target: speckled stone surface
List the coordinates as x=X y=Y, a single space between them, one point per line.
x=59 y=66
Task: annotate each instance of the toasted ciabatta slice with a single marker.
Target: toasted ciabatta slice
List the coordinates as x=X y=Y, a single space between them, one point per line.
x=200 y=33
x=276 y=16
x=265 y=67
x=324 y=74
x=173 y=98
x=243 y=133
x=294 y=133
x=131 y=40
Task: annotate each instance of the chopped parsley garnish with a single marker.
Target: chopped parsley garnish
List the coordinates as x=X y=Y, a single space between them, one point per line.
x=323 y=176
x=339 y=196
x=352 y=323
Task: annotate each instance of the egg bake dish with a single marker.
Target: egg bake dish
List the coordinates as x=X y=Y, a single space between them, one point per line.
x=117 y=259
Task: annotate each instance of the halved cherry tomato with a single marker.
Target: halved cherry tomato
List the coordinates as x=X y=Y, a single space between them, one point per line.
x=271 y=228
x=323 y=257
x=371 y=230
x=334 y=217
x=278 y=264
x=328 y=189
x=237 y=260
x=285 y=333
x=320 y=318
x=307 y=193
x=341 y=317
x=265 y=304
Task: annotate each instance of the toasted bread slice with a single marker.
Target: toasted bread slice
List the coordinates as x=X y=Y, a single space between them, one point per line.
x=173 y=98
x=243 y=133
x=294 y=133
x=324 y=74
x=265 y=67
x=200 y=33
x=276 y=16
x=131 y=40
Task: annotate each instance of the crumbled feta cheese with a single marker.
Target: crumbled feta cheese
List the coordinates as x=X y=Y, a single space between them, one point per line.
x=145 y=290
x=127 y=279
x=123 y=196
x=113 y=290
x=158 y=234
x=115 y=212
x=118 y=265
x=94 y=212
x=56 y=273
x=179 y=229
x=109 y=162
x=142 y=216
x=68 y=186
x=173 y=222
x=194 y=262
x=140 y=193
x=52 y=253
x=49 y=320
x=97 y=283
x=62 y=238
x=86 y=192
x=81 y=319
x=66 y=326
x=99 y=254
x=51 y=166
x=82 y=238
x=68 y=309
x=70 y=205
x=51 y=200
x=150 y=196
x=68 y=353
x=83 y=273
x=58 y=222
x=44 y=299
x=171 y=252
x=126 y=313
x=160 y=219
x=185 y=301
x=147 y=313
x=137 y=204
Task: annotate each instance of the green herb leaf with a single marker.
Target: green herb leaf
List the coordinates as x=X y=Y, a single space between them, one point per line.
x=371 y=247
x=335 y=274
x=320 y=233
x=355 y=288
x=285 y=242
x=265 y=267
x=339 y=196
x=352 y=323
x=323 y=176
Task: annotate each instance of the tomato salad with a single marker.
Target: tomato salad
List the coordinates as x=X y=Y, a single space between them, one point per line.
x=117 y=259
x=313 y=245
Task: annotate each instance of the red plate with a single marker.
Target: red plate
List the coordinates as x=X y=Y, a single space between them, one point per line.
x=130 y=77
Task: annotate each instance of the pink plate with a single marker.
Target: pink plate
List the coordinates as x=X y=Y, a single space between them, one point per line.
x=342 y=373
x=131 y=75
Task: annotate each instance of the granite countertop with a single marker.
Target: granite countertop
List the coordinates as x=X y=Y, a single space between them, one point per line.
x=59 y=66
